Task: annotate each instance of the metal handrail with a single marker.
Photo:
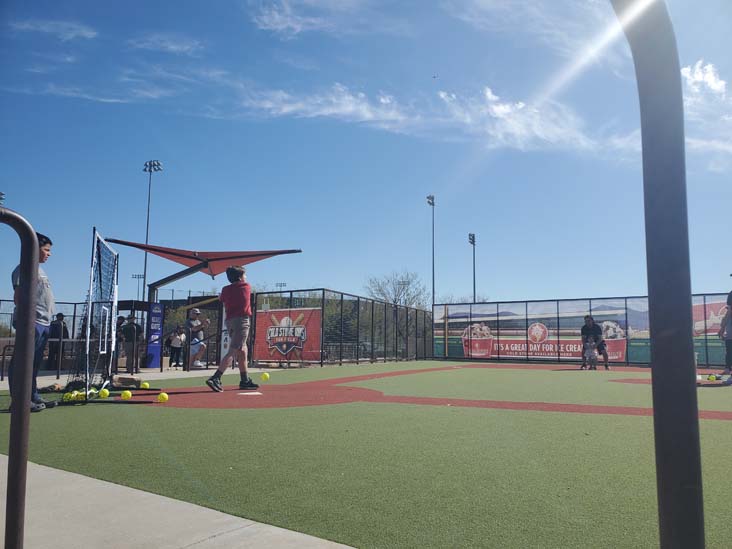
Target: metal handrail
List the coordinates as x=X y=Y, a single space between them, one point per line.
x=22 y=379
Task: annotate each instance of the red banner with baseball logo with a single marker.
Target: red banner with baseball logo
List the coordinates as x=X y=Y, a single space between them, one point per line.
x=288 y=335
x=479 y=342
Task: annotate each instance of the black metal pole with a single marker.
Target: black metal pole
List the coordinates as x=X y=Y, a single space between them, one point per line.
x=22 y=379
x=358 y=327
x=372 y=331
x=147 y=229
x=627 y=333
x=473 y=272
x=433 y=253
x=675 y=410
x=322 y=328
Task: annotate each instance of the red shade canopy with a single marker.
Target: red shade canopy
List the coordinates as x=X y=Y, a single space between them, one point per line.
x=212 y=263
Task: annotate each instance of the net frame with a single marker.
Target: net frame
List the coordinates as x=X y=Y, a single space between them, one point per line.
x=94 y=361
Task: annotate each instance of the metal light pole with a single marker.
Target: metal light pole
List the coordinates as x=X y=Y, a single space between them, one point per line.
x=402 y=285
x=471 y=240
x=431 y=202
x=281 y=285
x=150 y=167
x=138 y=277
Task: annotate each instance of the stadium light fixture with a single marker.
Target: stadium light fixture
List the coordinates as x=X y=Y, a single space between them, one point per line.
x=2 y=198
x=150 y=167
x=431 y=202
x=471 y=241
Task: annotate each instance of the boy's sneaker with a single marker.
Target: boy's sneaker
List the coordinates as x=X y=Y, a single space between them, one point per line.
x=215 y=384
x=248 y=385
x=198 y=364
x=727 y=381
x=37 y=407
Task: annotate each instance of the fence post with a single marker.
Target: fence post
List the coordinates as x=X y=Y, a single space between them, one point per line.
x=322 y=328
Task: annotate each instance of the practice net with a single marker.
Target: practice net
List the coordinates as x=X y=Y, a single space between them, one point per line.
x=96 y=341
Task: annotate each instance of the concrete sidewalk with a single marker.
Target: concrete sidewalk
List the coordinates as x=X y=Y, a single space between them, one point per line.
x=60 y=507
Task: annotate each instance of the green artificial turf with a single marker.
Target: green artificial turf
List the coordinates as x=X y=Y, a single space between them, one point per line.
x=396 y=475
x=569 y=387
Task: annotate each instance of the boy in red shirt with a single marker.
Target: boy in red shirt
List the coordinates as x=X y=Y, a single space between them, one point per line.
x=236 y=299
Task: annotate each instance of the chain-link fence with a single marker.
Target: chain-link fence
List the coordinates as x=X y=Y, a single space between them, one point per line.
x=325 y=326
x=550 y=330
x=61 y=356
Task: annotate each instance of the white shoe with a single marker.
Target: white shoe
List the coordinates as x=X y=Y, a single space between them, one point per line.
x=198 y=364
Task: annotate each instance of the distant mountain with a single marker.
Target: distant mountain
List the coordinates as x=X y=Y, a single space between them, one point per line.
x=638 y=320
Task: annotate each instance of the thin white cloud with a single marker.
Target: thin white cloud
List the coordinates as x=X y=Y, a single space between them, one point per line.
x=63 y=30
x=628 y=144
x=290 y=18
x=78 y=93
x=59 y=58
x=39 y=69
x=709 y=145
x=281 y=18
x=51 y=62
x=515 y=124
x=565 y=26
x=167 y=43
x=338 y=102
x=151 y=92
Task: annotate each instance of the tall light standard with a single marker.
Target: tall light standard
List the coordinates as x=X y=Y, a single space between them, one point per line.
x=471 y=240
x=399 y=298
x=431 y=202
x=150 y=167
x=138 y=277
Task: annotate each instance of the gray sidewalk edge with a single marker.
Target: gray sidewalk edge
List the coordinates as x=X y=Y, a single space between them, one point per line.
x=70 y=510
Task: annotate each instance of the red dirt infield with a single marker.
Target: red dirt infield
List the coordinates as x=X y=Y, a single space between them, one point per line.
x=333 y=391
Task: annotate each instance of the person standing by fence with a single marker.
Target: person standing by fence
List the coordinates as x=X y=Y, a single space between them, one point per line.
x=132 y=333
x=56 y=334
x=177 y=340
x=725 y=333
x=45 y=306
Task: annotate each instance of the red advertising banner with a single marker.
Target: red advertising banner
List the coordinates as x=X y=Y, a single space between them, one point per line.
x=479 y=343
x=712 y=321
x=288 y=335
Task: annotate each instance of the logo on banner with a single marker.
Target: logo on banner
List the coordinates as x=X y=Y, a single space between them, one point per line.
x=537 y=333
x=286 y=335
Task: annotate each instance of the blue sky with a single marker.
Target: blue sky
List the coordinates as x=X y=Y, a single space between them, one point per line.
x=323 y=125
